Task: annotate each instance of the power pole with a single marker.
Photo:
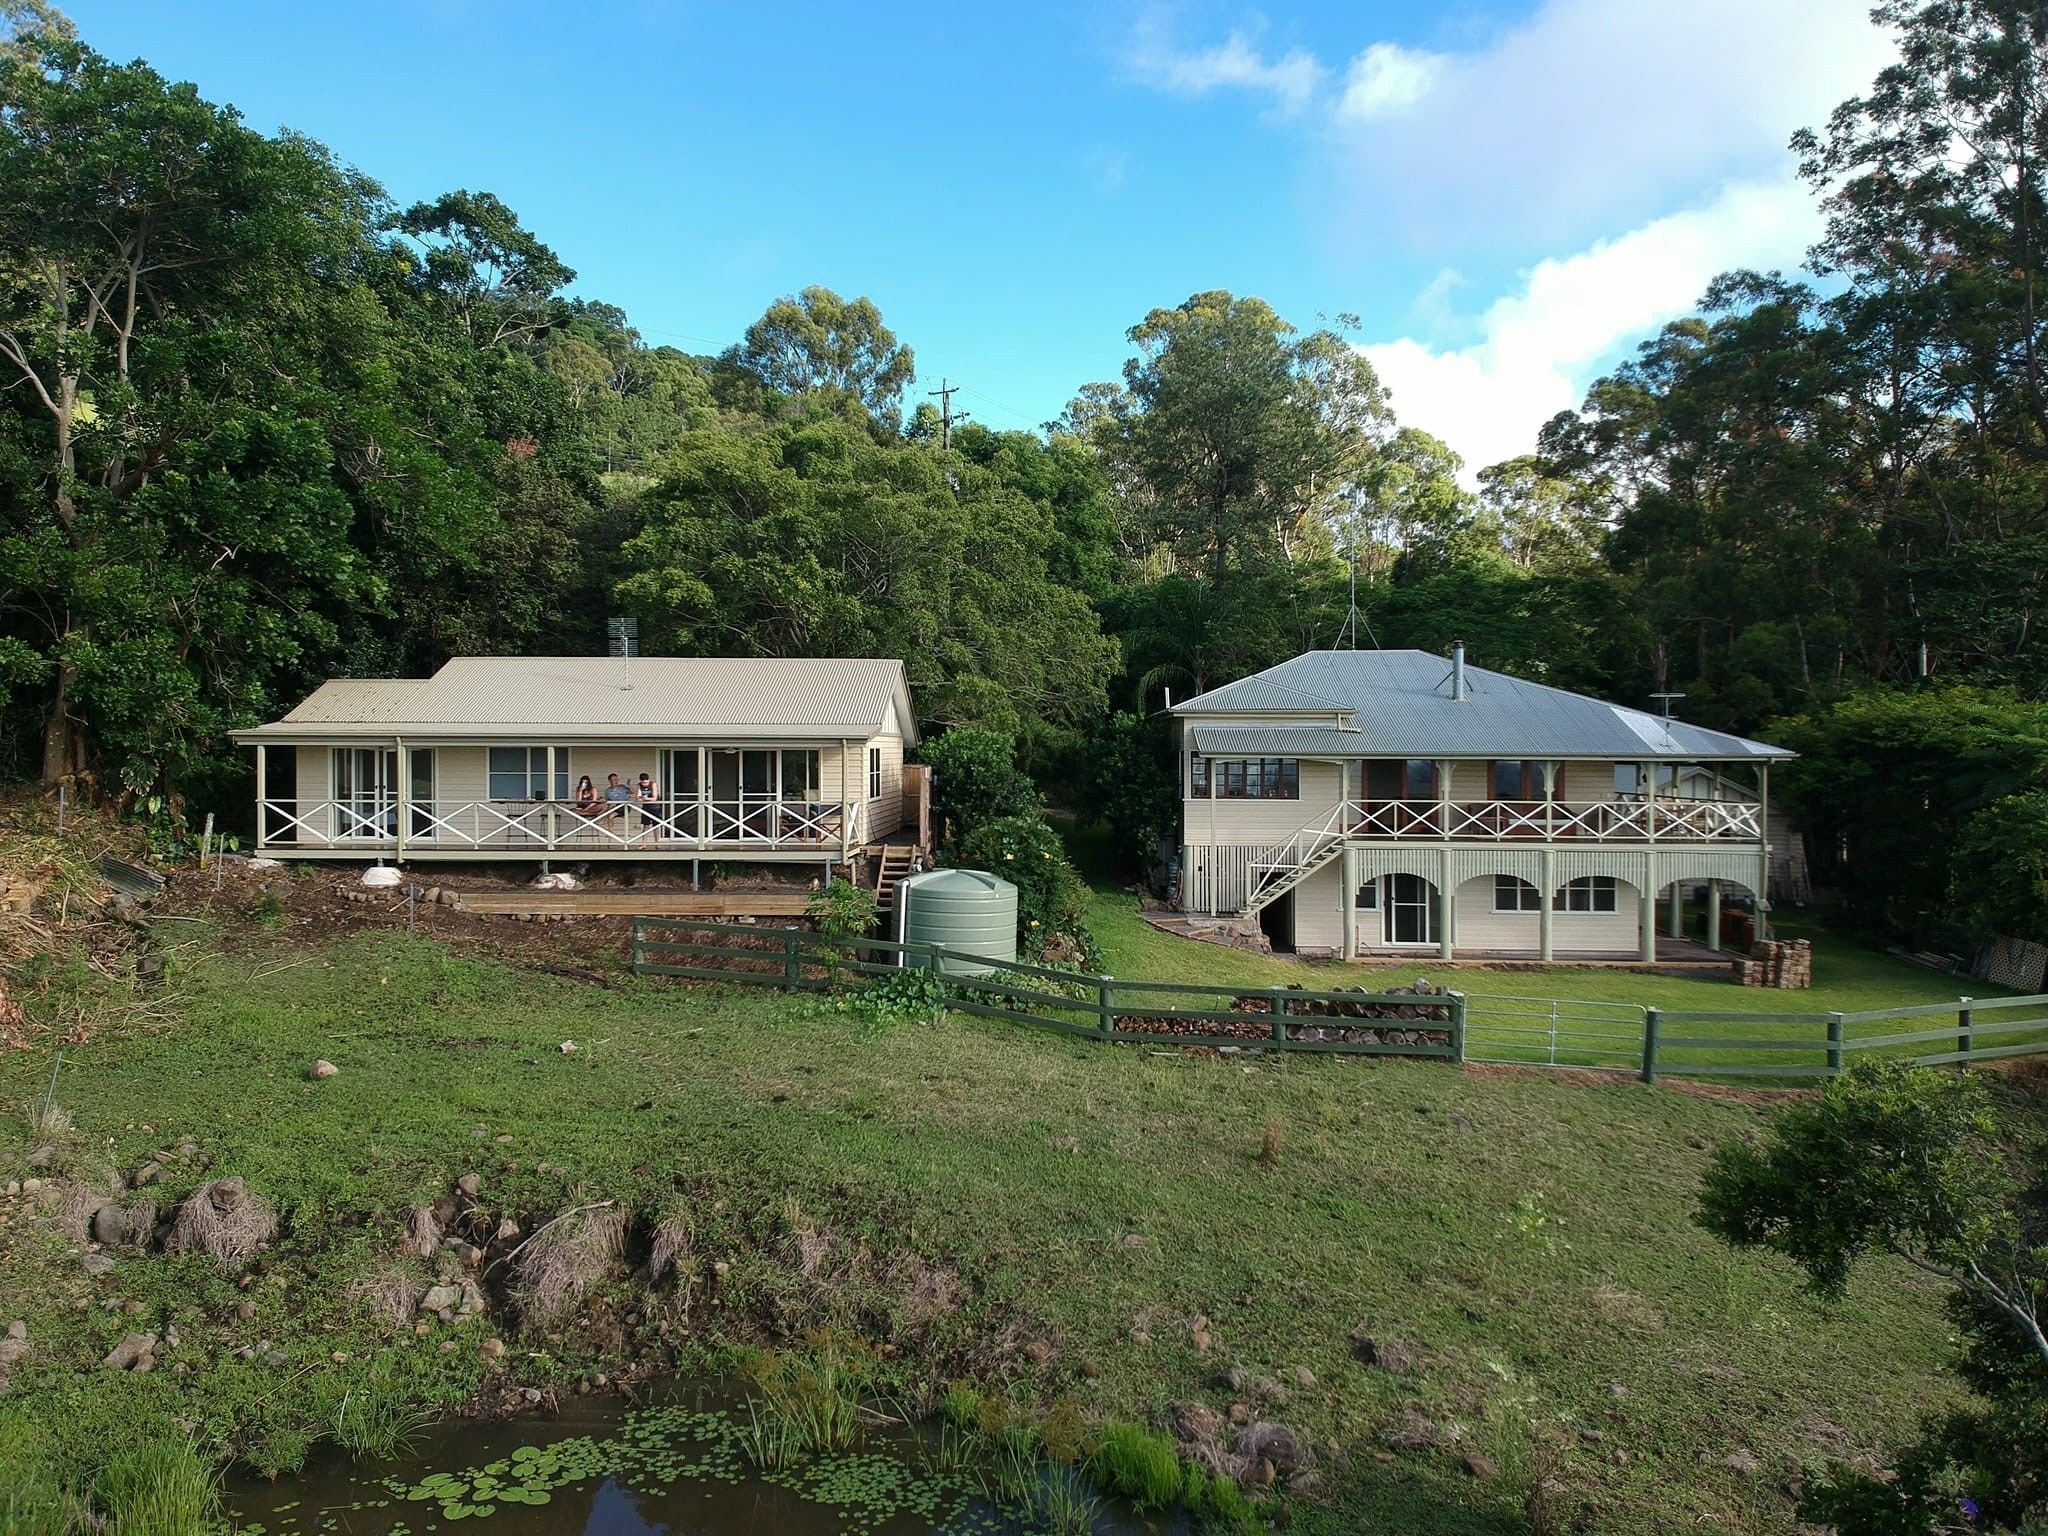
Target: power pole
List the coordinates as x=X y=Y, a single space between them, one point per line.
x=947 y=415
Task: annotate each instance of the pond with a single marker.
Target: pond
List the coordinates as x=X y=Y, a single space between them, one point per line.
x=677 y=1466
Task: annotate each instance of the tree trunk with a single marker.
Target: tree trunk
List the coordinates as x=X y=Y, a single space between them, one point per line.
x=63 y=741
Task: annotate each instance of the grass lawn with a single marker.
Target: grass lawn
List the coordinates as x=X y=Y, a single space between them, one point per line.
x=1052 y=1215
x=1848 y=978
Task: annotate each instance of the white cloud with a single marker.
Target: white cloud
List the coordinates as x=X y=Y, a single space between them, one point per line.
x=1291 y=79
x=1537 y=346
x=1385 y=78
x=1587 y=116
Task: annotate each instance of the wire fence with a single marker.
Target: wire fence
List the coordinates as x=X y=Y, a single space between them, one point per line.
x=1567 y=1033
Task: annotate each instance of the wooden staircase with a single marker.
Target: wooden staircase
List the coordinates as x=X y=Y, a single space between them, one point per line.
x=892 y=863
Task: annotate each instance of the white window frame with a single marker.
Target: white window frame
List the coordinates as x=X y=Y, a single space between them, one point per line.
x=536 y=768
x=874 y=773
x=1584 y=897
x=1527 y=897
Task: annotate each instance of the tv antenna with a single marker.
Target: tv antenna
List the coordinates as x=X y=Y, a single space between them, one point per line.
x=622 y=637
x=1665 y=699
x=1347 y=632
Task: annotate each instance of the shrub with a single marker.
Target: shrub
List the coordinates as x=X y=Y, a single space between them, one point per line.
x=1132 y=782
x=976 y=780
x=1140 y=1464
x=1895 y=1159
x=843 y=911
x=1051 y=896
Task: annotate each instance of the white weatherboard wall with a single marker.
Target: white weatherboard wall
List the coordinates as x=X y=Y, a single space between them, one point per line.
x=1318 y=918
x=1480 y=927
x=885 y=811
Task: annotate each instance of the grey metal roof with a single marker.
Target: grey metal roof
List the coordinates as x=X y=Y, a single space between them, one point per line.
x=1277 y=741
x=584 y=696
x=1401 y=703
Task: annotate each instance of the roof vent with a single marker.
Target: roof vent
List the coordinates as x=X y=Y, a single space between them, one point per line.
x=1457 y=671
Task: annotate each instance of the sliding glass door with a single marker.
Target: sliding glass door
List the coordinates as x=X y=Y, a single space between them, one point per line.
x=682 y=779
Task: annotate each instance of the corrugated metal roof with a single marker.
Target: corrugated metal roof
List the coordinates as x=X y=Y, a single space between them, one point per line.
x=1401 y=702
x=572 y=696
x=1277 y=741
x=359 y=699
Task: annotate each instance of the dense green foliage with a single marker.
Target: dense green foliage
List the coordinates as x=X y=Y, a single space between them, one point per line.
x=975 y=778
x=1914 y=799
x=1894 y=1160
x=331 y=435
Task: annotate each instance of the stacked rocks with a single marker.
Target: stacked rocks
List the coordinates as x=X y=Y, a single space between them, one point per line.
x=1776 y=963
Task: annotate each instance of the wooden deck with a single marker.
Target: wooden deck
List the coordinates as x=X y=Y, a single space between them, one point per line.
x=636 y=903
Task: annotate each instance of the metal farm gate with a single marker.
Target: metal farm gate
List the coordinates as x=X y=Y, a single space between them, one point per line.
x=1553 y=1032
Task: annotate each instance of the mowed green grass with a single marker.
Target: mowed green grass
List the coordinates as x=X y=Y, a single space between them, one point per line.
x=1525 y=1240
x=1847 y=978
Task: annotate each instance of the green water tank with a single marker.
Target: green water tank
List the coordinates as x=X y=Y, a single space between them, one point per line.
x=963 y=909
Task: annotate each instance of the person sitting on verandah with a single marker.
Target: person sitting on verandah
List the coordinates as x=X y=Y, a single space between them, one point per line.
x=587 y=801
x=618 y=795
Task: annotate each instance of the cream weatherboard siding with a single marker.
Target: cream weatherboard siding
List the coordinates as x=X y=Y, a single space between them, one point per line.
x=1318 y=913
x=1480 y=927
x=1264 y=821
x=884 y=811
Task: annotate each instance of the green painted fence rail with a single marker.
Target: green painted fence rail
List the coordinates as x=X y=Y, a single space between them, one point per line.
x=1545 y=1032
x=1096 y=1007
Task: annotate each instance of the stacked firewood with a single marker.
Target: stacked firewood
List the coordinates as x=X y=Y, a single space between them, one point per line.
x=1776 y=963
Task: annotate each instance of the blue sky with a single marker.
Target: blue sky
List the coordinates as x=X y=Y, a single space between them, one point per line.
x=1507 y=194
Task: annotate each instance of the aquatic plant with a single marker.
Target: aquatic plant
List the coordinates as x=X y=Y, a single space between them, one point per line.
x=657 y=1448
x=1138 y=1463
x=371 y=1420
x=1067 y=1505
x=961 y=1406
x=159 y=1488
x=806 y=1402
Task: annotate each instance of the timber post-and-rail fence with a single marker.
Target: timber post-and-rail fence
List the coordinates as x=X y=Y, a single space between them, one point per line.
x=1454 y=1026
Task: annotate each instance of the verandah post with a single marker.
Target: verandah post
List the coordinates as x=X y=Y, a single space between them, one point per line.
x=1964 y=1040
x=1834 y=1045
x=1105 y=1006
x=1653 y=1021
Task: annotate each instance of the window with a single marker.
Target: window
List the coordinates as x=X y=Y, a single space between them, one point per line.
x=1257 y=778
x=874 y=773
x=1517 y=781
x=521 y=773
x=1590 y=893
x=1394 y=779
x=1627 y=781
x=1512 y=895
x=800 y=779
x=1368 y=897
x=1198 y=776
